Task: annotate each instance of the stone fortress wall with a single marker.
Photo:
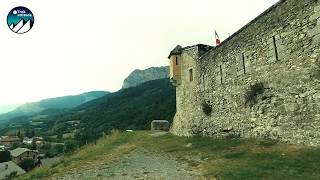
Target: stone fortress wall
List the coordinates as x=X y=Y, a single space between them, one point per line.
x=263 y=81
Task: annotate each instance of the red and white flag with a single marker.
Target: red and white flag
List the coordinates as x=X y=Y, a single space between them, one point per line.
x=217 y=38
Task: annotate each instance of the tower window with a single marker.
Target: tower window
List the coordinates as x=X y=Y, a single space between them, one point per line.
x=191 y=75
x=221 y=78
x=243 y=64
x=275 y=47
x=177 y=63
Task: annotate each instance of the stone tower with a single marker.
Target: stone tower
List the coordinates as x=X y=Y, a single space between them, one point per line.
x=261 y=82
x=175 y=65
x=184 y=74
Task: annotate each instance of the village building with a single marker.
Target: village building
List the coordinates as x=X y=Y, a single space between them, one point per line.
x=9 y=141
x=27 y=141
x=20 y=154
x=39 y=141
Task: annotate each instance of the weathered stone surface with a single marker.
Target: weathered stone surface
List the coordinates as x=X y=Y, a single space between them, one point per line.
x=140 y=76
x=279 y=49
x=163 y=125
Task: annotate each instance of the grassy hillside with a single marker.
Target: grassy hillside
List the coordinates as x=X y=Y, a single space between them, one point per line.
x=207 y=158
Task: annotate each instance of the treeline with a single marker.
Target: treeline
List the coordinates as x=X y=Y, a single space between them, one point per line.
x=133 y=108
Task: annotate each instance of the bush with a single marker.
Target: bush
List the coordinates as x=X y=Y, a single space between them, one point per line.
x=59 y=148
x=27 y=164
x=233 y=136
x=5 y=156
x=12 y=175
x=253 y=92
x=70 y=145
x=206 y=108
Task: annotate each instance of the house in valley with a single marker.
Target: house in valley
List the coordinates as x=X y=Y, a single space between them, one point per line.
x=9 y=141
x=20 y=154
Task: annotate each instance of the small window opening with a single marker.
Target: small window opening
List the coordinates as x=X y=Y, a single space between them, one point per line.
x=221 y=80
x=243 y=64
x=191 y=75
x=275 y=47
x=177 y=63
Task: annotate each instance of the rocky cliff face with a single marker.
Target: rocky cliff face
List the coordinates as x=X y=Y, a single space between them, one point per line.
x=140 y=76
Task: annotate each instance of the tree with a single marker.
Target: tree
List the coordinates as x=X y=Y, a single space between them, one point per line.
x=33 y=133
x=46 y=147
x=59 y=148
x=34 y=145
x=27 y=164
x=30 y=133
x=27 y=133
x=70 y=145
x=19 y=134
x=5 y=156
x=15 y=145
x=12 y=175
x=60 y=136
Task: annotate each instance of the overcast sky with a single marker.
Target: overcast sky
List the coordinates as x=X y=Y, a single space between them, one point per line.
x=83 y=45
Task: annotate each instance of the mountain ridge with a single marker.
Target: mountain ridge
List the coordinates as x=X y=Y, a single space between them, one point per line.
x=63 y=102
x=140 y=76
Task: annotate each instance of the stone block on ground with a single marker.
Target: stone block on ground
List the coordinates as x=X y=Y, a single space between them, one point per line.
x=163 y=125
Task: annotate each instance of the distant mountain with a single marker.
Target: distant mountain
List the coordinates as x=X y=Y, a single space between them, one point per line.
x=140 y=76
x=7 y=108
x=65 y=102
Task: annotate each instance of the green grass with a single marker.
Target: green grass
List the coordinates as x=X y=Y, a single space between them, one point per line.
x=211 y=158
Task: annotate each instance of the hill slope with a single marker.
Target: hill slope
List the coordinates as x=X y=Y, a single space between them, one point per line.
x=131 y=108
x=65 y=102
x=7 y=108
x=140 y=76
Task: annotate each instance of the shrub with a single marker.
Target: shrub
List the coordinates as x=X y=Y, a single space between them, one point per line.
x=12 y=175
x=233 y=136
x=70 y=145
x=27 y=164
x=206 y=108
x=4 y=156
x=253 y=92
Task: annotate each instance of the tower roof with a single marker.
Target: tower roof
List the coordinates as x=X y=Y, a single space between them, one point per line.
x=177 y=50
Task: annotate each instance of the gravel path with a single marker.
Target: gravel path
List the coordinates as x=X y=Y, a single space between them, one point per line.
x=136 y=165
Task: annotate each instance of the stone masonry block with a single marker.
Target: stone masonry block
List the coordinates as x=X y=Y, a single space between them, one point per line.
x=163 y=125
x=317 y=9
x=314 y=31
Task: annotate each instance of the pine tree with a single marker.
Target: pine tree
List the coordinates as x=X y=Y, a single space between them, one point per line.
x=34 y=145
x=19 y=134
x=27 y=133
x=32 y=133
